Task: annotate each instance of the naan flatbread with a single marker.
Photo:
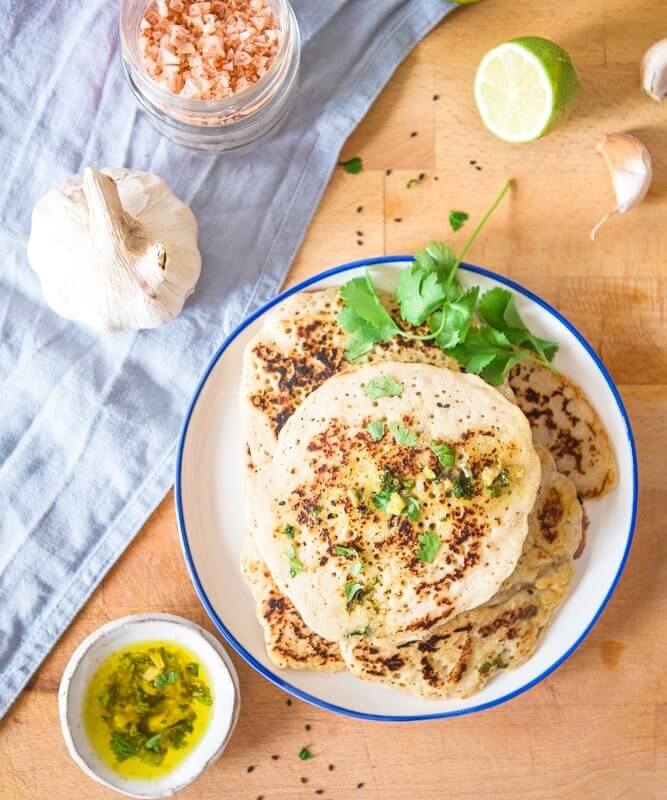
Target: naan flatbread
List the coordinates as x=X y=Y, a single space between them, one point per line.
x=332 y=484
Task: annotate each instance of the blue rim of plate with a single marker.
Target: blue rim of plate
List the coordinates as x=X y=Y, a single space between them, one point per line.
x=234 y=642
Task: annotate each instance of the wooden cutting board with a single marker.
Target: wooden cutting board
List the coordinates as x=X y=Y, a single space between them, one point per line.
x=597 y=728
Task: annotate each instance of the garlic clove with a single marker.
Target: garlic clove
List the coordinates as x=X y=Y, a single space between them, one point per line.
x=654 y=71
x=629 y=164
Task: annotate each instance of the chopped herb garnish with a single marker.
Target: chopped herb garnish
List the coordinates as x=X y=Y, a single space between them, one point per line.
x=346 y=551
x=485 y=334
x=365 y=631
x=354 y=592
x=498 y=663
x=153 y=742
x=305 y=754
x=463 y=485
x=376 y=429
x=389 y=485
x=384 y=386
x=353 y=165
x=445 y=454
x=295 y=566
x=457 y=219
x=289 y=531
x=403 y=435
x=392 y=487
x=193 y=669
x=429 y=544
x=122 y=746
x=412 y=510
x=497 y=485
x=165 y=679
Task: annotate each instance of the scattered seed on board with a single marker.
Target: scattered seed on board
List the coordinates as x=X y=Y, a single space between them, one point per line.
x=359 y=242
x=436 y=96
x=473 y=162
x=308 y=726
x=319 y=791
x=250 y=769
x=387 y=172
x=478 y=168
x=359 y=210
x=304 y=780
x=360 y=786
x=289 y=701
x=413 y=134
x=398 y=219
x=331 y=768
x=275 y=757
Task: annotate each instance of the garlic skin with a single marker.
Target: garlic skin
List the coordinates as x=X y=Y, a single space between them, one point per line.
x=654 y=71
x=114 y=249
x=629 y=164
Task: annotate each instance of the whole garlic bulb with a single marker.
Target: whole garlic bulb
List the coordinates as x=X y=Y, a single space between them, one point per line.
x=114 y=249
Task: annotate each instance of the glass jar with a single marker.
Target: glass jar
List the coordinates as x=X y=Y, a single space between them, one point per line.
x=228 y=124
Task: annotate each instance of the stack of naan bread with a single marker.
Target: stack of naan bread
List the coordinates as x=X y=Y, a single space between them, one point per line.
x=346 y=493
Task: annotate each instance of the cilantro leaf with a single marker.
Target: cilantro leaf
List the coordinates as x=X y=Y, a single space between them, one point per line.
x=412 y=508
x=457 y=219
x=289 y=531
x=429 y=544
x=193 y=669
x=359 y=294
x=122 y=746
x=419 y=293
x=153 y=742
x=437 y=257
x=305 y=754
x=166 y=678
x=403 y=435
x=502 y=479
x=362 y=335
x=353 y=165
x=376 y=429
x=446 y=455
x=295 y=566
x=354 y=592
x=487 y=352
x=346 y=551
x=384 y=386
x=498 y=309
x=458 y=318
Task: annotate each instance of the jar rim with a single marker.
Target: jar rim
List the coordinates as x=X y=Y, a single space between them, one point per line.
x=224 y=105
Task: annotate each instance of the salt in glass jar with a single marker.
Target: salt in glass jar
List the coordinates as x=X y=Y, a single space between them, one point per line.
x=228 y=124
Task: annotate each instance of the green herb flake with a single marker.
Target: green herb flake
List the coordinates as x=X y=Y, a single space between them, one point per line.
x=305 y=754
x=444 y=453
x=122 y=746
x=498 y=663
x=166 y=679
x=502 y=480
x=353 y=165
x=346 y=551
x=457 y=219
x=289 y=531
x=365 y=631
x=192 y=669
x=429 y=544
x=295 y=565
x=354 y=592
x=412 y=508
x=376 y=429
x=463 y=485
x=153 y=742
x=384 y=386
x=403 y=435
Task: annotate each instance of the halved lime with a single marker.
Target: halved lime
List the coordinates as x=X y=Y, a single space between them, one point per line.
x=524 y=88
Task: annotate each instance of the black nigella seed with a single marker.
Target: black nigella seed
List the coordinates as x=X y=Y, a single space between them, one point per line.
x=360 y=786
x=319 y=791
x=250 y=769
x=308 y=726
x=398 y=219
x=422 y=175
x=359 y=210
x=260 y=797
x=435 y=178
x=331 y=768
x=478 y=168
x=360 y=233
x=473 y=161
x=387 y=172
x=289 y=701
x=436 y=96
x=413 y=134
x=359 y=242
x=275 y=758
x=304 y=780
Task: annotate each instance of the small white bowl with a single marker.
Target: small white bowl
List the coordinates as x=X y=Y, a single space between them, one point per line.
x=117 y=635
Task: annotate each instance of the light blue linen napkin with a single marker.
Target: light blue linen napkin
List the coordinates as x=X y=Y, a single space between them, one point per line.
x=89 y=423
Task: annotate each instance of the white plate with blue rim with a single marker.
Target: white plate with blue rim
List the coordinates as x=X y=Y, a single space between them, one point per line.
x=210 y=507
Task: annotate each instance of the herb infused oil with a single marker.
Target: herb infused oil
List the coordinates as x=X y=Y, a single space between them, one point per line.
x=147 y=707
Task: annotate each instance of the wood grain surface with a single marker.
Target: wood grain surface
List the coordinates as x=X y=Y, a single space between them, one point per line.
x=597 y=728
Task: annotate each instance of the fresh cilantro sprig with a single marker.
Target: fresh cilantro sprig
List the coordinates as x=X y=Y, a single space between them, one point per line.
x=484 y=332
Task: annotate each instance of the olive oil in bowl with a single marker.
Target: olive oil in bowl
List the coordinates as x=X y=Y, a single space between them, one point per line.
x=147 y=707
